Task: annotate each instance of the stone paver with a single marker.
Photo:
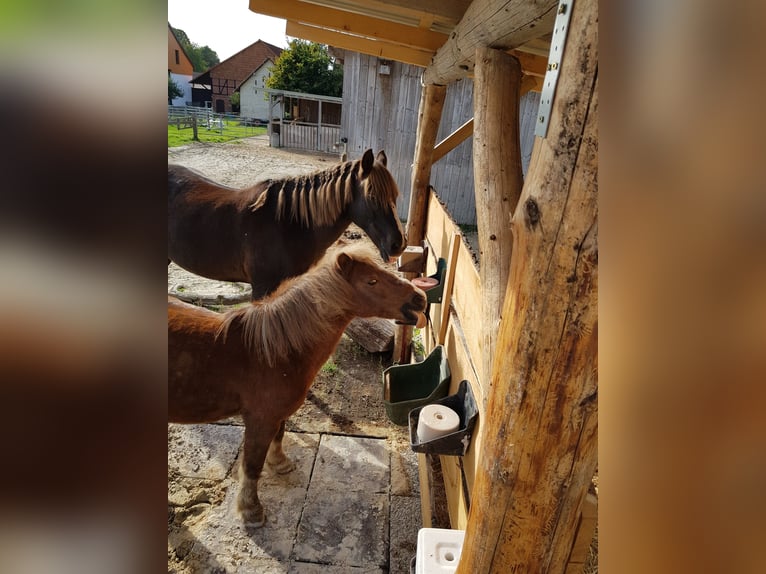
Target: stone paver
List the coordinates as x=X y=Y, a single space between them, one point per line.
x=348 y=528
x=203 y=451
x=307 y=568
x=336 y=513
x=352 y=463
x=345 y=520
x=222 y=533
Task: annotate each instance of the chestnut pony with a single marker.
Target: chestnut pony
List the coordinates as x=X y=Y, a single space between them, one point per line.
x=278 y=228
x=260 y=360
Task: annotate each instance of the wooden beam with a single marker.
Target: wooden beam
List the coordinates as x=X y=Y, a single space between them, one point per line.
x=429 y=117
x=586 y=528
x=532 y=64
x=405 y=12
x=498 y=179
x=425 y=479
x=540 y=46
x=444 y=9
x=449 y=283
x=358 y=44
x=540 y=429
x=453 y=140
x=531 y=84
x=502 y=24
x=350 y=23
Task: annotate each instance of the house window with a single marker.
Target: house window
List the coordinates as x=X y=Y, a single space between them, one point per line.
x=178 y=61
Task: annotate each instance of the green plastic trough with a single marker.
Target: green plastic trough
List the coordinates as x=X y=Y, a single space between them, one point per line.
x=406 y=387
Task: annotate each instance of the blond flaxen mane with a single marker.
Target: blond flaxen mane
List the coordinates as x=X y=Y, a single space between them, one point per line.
x=300 y=313
x=319 y=198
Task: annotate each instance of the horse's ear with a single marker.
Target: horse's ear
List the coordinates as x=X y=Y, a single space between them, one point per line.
x=344 y=263
x=381 y=157
x=367 y=161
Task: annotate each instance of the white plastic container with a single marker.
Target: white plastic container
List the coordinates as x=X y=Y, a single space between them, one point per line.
x=438 y=550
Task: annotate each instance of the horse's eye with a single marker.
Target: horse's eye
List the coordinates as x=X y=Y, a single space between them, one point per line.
x=372 y=282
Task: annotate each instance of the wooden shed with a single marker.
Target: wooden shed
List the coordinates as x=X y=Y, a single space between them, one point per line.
x=522 y=329
x=380 y=110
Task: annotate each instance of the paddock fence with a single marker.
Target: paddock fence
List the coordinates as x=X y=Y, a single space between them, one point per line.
x=187 y=117
x=304 y=121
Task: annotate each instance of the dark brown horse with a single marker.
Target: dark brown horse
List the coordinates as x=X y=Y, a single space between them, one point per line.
x=278 y=228
x=260 y=360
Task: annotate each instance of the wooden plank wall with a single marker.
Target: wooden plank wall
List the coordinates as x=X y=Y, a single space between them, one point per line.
x=461 y=344
x=381 y=111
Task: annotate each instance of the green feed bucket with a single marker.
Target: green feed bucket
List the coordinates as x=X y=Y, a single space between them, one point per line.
x=406 y=387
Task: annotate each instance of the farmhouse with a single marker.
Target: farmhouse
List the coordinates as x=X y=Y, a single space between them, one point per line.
x=219 y=82
x=253 y=100
x=180 y=68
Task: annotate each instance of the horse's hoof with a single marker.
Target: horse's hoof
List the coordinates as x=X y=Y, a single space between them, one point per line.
x=253 y=523
x=253 y=518
x=283 y=466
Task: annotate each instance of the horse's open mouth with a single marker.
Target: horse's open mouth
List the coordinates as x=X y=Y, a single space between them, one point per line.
x=411 y=315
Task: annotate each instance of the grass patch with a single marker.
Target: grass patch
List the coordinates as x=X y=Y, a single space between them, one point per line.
x=417 y=344
x=232 y=130
x=330 y=368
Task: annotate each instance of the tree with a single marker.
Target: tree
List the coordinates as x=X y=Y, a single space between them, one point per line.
x=173 y=90
x=307 y=67
x=234 y=99
x=208 y=57
x=202 y=57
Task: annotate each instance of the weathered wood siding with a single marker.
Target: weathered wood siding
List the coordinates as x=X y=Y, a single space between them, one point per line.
x=381 y=112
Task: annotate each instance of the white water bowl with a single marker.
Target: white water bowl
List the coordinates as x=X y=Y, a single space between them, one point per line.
x=438 y=550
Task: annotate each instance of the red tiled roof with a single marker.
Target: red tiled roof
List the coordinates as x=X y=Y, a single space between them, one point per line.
x=242 y=64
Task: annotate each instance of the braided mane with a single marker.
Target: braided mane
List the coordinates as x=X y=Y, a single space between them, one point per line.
x=318 y=199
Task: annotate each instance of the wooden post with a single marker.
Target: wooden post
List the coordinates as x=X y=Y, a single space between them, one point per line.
x=540 y=427
x=498 y=179
x=319 y=128
x=429 y=117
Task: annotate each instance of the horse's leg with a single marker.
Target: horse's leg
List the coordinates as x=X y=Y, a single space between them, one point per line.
x=276 y=456
x=258 y=435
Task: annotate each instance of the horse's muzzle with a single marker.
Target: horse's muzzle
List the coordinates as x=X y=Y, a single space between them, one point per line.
x=411 y=309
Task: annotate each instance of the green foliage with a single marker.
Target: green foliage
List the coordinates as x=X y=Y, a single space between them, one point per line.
x=173 y=90
x=202 y=57
x=307 y=67
x=208 y=57
x=234 y=99
x=330 y=367
x=417 y=342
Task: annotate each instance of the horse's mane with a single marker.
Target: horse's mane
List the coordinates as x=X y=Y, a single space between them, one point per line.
x=318 y=199
x=299 y=313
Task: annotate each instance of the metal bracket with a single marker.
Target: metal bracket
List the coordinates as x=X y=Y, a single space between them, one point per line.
x=558 y=41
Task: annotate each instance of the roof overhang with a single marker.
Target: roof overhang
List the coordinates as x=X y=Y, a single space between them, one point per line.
x=438 y=35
